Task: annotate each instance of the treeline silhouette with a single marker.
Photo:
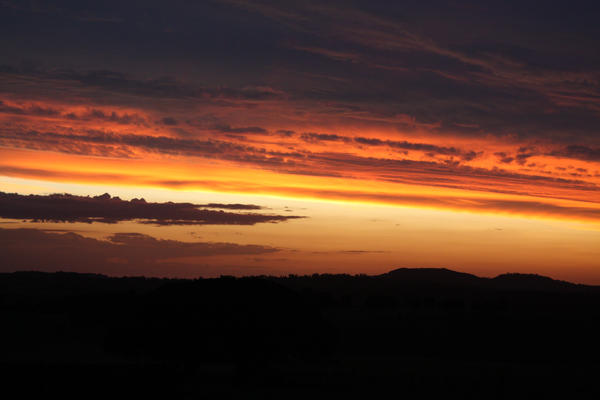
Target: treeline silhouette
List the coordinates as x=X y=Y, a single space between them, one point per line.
x=414 y=333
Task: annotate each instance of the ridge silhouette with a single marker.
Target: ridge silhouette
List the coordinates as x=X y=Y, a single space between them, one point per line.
x=512 y=280
x=431 y=275
x=420 y=333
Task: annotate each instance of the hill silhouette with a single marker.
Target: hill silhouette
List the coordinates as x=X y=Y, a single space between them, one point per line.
x=422 y=333
x=432 y=276
x=534 y=282
x=507 y=281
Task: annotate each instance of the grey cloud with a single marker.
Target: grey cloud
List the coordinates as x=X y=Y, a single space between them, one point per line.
x=29 y=110
x=285 y=132
x=169 y=121
x=578 y=152
x=425 y=147
x=323 y=137
x=247 y=129
x=504 y=158
x=113 y=82
x=122 y=253
x=107 y=209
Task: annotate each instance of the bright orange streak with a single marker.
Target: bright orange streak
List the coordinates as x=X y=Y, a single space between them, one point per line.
x=220 y=176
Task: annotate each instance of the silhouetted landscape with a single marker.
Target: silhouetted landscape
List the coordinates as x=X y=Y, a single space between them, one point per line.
x=414 y=333
x=211 y=199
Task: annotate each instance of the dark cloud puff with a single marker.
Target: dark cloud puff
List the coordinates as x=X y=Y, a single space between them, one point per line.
x=504 y=158
x=471 y=155
x=323 y=137
x=286 y=132
x=404 y=145
x=522 y=158
x=579 y=152
x=169 y=121
x=107 y=209
x=119 y=118
x=35 y=110
x=242 y=129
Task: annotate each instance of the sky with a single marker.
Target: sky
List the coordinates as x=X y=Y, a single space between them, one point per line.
x=266 y=137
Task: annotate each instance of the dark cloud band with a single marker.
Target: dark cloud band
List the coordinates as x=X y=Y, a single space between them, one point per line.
x=107 y=209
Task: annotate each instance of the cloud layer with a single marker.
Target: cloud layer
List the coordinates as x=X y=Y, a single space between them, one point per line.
x=120 y=254
x=363 y=91
x=107 y=209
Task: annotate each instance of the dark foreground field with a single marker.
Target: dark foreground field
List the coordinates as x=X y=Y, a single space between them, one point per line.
x=406 y=334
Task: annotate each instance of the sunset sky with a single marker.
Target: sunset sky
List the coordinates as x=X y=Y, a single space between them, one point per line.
x=300 y=137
